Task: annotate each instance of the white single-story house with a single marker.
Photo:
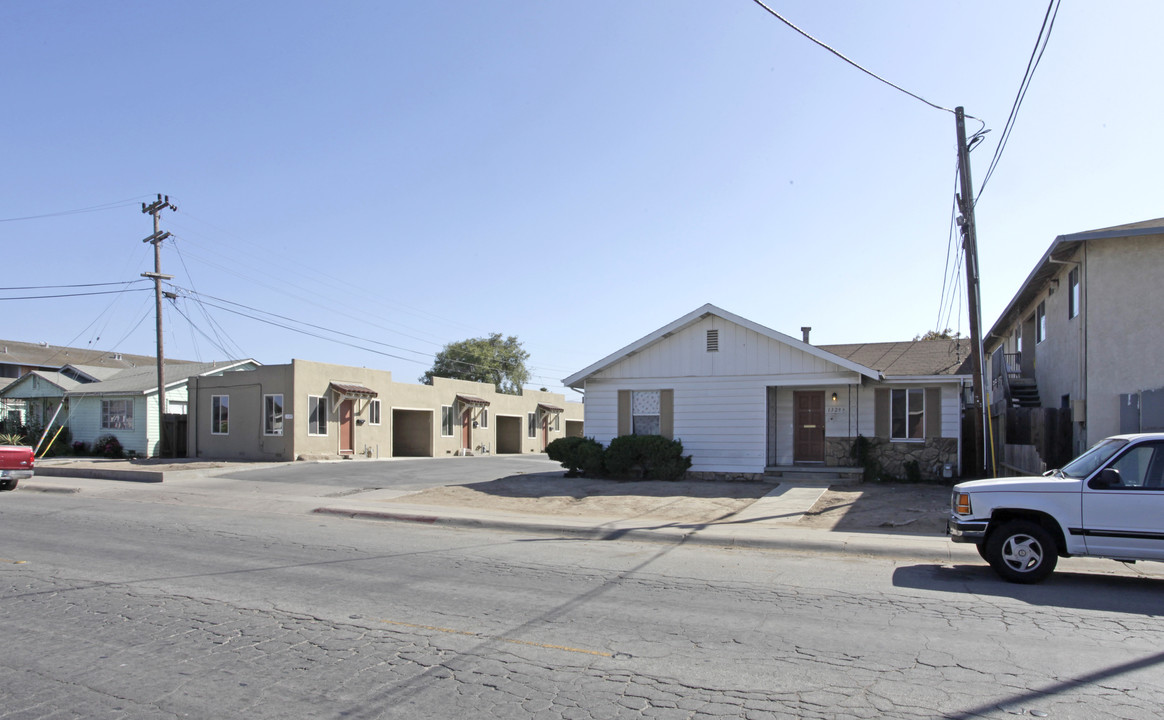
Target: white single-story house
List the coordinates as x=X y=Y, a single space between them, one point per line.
x=746 y=400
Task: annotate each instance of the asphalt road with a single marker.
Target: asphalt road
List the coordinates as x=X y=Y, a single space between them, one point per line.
x=119 y=607
x=401 y=474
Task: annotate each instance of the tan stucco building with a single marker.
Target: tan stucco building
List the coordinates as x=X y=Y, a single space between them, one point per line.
x=1083 y=335
x=317 y=410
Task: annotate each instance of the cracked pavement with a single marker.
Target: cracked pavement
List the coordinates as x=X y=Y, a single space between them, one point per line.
x=115 y=609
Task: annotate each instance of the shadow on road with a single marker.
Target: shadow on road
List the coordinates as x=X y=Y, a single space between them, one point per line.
x=1064 y=589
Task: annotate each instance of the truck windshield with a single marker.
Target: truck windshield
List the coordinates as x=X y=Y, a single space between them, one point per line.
x=1091 y=460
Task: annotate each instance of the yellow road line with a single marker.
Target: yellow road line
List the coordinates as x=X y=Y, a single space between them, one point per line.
x=13 y=562
x=453 y=631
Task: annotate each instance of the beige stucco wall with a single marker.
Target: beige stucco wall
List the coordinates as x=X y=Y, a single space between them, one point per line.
x=1125 y=335
x=419 y=414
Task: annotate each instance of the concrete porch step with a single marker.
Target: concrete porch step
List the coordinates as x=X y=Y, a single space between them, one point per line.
x=816 y=474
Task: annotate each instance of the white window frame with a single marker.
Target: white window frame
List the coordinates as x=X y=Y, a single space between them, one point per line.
x=531 y=424
x=1041 y=322
x=124 y=415
x=374 y=412
x=273 y=420
x=659 y=415
x=483 y=418
x=909 y=395
x=220 y=414
x=315 y=418
x=448 y=421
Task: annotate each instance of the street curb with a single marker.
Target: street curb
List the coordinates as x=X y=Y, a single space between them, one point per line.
x=145 y=476
x=880 y=545
x=47 y=489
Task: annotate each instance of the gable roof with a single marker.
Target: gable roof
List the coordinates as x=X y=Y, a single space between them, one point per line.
x=43 y=355
x=1049 y=266
x=915 y=358
x=695 y=316
x=58 y=380
x=144 y=381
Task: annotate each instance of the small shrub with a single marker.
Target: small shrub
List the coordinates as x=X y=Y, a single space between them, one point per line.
x=11 y=439
x=912 y=471
x=80 y=448
x=580 y=456
x=650 y=457
x=108 y=446
x=61 y=442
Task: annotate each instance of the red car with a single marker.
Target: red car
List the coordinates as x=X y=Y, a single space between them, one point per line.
x=15 y=465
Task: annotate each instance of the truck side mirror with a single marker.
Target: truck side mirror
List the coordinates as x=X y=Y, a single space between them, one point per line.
x=1107 y=478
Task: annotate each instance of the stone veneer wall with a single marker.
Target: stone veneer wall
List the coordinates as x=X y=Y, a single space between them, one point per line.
x=931 y=455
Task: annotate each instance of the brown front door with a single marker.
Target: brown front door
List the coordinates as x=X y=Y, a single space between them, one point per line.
x=808 y=427
x=545 y=431
x=347 y=429
x=467 y=428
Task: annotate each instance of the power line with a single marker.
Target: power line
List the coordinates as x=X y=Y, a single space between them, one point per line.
x=93 y=208
x=1032 y=64
x=55 y=287
x=870 y=73
x=66 y=295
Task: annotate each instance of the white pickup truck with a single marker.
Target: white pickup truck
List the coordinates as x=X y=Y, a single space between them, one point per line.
x=1108 y=502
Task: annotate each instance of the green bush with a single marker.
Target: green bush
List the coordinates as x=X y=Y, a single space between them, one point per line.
x=108 y=446
x=580 y=456
x=648 y=457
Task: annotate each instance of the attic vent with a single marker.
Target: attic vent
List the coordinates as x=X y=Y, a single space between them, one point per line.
x=713 y=340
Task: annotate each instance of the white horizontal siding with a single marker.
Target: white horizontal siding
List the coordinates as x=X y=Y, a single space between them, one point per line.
x=742 y=352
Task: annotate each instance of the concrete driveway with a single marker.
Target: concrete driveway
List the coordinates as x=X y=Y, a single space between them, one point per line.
x=404 y=475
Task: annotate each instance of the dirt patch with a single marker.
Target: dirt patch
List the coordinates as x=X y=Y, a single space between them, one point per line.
x=894 y=508
x=552 y=494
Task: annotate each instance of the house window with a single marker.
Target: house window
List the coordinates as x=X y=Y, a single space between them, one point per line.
x=907 y=414
x=220 y=414
x=713 y=340
x=1041 y=322
x=483 y=418
x=1073 y=293
x=117 y=414
x=447 y=421
x=273 y=414
x=557 y=423
x=531 y=424
x=316 y=415
x=374 y=412
x=646 y=412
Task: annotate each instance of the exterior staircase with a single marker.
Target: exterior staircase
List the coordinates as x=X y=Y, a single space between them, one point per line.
x=1024 y=393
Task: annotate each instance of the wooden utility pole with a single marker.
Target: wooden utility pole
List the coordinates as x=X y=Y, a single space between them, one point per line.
x=984 y=443
x=155 y=208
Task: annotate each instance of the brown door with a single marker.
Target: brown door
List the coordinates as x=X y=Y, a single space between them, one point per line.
x=467 y=428
x=545 y=431
x=347 y=430
x=808 y=427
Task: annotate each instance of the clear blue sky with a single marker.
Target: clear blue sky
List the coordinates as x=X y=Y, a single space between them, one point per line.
x=576 y=174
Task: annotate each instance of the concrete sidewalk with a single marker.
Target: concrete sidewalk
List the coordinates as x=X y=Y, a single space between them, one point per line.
x=771 y=521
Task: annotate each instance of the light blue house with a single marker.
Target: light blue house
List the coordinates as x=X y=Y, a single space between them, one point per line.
x=103 y=401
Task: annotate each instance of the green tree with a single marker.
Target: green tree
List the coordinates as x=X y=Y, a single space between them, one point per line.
x=946 y=334
x=492 y=359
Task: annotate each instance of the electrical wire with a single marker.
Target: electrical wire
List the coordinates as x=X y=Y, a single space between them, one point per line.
x=67 y=295
x=1032 y=64
x=870 y=73
x=93 y=208
x=56 y=287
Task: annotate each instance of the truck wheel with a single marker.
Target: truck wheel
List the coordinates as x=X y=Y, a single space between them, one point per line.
x=981 y=548
x=9 y=484
x=1021 y=552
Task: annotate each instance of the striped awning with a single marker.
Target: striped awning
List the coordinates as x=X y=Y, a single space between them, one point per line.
x=353 y=391
x=472 y=400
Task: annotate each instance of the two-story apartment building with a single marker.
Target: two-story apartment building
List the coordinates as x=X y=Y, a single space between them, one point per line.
x=1084 y=333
